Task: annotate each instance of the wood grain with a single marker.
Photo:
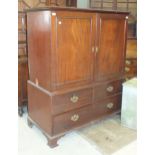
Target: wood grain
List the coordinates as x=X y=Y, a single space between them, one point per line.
x=71 y=82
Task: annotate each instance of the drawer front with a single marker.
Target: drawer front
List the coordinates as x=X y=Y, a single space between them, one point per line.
x=130 y=68
x=21 y=22
x=72 y=119
x=131 y=51
x=107 y=89
x=70 y=101
x=131 y=62
x=21 y=36
x=22 y=50
x=107 y=106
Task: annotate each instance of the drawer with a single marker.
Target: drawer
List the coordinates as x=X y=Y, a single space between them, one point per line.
x=131 y=51
x=130 y=70
x=107 y=106
x=135 y=70
x=72 y=119
x=107 y=89
x=131 y=62
x=21 y=22
x=22 y=50
x=21 y=36
x=72 y=100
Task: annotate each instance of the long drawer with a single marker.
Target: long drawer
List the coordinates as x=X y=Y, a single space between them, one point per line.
x=21 y=36
x=78 y=117
x=72 y=119
x=107 y=106
x=71 y=100
x=21 y=22
x=107 y=89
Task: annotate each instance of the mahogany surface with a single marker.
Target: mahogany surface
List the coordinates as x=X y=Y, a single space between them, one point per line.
x=131 y=59
x=76 y=64
x=22 y=63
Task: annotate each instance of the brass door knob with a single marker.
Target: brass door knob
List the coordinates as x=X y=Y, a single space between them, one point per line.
x=75 y=117
x=74 y=98
x=110 y=105
x=110 y=88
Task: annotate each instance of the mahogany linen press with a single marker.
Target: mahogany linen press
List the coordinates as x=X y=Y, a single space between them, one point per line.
x=76 y=60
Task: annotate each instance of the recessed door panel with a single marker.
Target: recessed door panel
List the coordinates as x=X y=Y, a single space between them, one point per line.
x=74 y=38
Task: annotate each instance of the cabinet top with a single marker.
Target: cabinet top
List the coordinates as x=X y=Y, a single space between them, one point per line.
x=75 y=9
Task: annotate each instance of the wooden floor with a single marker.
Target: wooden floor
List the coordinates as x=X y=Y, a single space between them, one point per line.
x=109 y=135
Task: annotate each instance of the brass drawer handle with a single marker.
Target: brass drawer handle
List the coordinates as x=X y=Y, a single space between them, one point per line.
x=127 y=69
x=110 y=105
x=128 y=62
x=74 y=118
x=110 y=88
x=23 y=24
x=74 y=98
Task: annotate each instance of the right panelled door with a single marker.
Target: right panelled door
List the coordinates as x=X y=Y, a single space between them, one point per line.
x=110 y=46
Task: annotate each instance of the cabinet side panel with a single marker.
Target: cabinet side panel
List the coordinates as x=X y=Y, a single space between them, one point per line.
x=39 y=107
x=39 y=39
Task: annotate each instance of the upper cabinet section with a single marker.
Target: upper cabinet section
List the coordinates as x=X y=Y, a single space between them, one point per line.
x=69 y=48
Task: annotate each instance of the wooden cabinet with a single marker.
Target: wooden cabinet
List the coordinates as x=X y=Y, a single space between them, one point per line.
x=76 y=65
x=131 y=59
x=22 y=63
x=71 y=3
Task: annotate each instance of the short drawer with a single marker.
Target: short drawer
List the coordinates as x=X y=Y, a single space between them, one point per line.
x=108 y=106
x=132 y=70
x=107 y=89
x=21 y=22
x=72 y=100
x=21 y=36
x=128 y=70
x=22 y=50
x=131 y=62
x=73 y=119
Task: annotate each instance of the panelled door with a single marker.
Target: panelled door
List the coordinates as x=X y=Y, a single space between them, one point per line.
x=72 y=46
x=110 y=46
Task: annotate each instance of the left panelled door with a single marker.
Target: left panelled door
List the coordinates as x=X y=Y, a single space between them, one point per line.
x=74 y=39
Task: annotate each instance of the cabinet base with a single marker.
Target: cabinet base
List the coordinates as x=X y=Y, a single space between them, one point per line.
x=22 y=108
x=51 y=141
